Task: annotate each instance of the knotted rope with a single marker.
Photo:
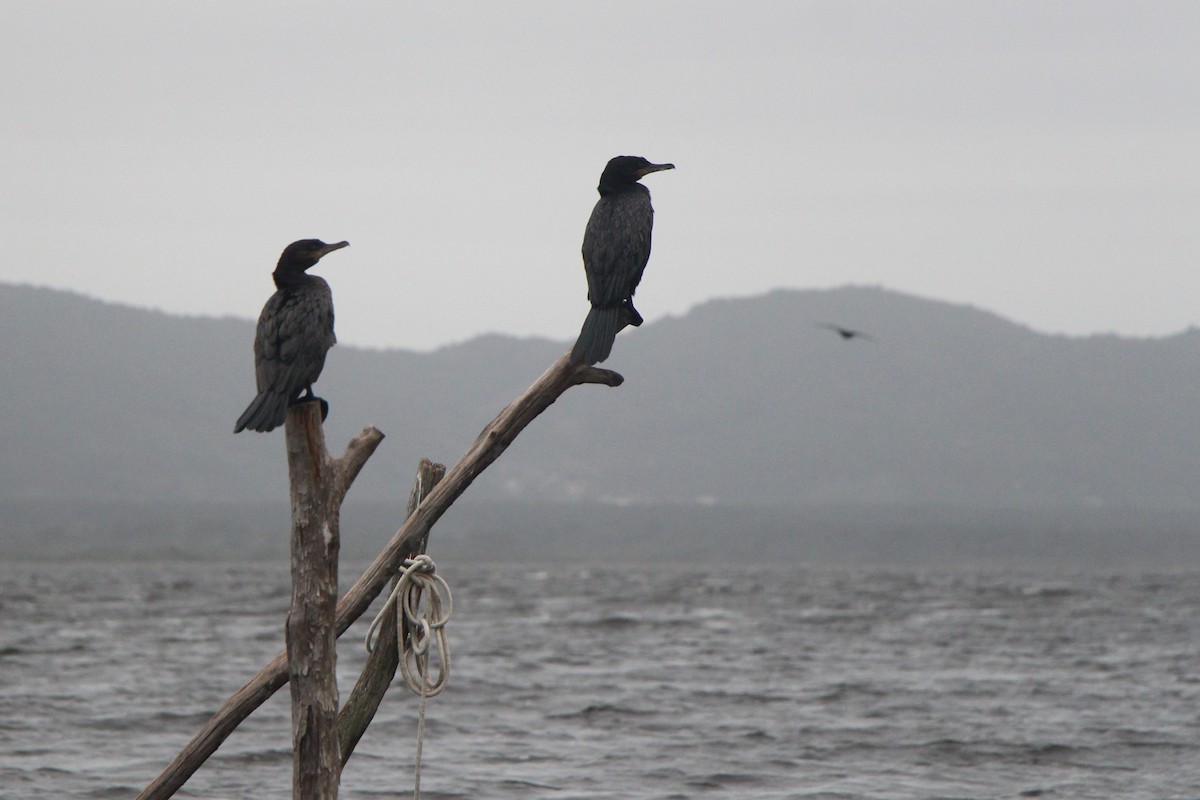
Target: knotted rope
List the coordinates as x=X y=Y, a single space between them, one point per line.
x=426 y=623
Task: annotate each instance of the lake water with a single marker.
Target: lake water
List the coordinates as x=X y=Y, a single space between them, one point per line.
x=638 y=682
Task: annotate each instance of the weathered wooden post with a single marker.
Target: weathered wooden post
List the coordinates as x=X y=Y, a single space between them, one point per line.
x=318 y=486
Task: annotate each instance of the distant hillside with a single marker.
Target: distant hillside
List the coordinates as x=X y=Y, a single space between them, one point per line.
x=738 y=402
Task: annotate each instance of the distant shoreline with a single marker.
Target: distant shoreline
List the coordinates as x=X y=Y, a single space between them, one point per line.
x=506 y=531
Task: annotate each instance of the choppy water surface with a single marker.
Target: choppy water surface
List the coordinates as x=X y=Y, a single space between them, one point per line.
x=608 y=682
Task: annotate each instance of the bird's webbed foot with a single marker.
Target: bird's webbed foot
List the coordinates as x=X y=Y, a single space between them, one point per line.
x=309 y=397
x=632 y=317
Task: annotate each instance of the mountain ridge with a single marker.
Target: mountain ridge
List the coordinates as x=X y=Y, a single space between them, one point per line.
x=739 y=401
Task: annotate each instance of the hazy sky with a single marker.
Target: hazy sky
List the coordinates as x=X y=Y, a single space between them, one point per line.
x=1040 y=160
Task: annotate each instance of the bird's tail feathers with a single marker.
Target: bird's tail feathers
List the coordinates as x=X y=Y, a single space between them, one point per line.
x=266 y=412
x=596 y=338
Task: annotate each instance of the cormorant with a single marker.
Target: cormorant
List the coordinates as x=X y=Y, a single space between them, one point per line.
x=295 y=331
x=616 y=247
x=845 y=333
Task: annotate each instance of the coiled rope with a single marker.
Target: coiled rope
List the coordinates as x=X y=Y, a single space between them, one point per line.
x=421 y=594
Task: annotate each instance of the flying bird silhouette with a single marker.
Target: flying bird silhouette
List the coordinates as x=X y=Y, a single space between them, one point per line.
x=845 y=333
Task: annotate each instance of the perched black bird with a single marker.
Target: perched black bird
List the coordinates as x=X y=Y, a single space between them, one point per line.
x=616 y=247
x=295 y=331
x=845 y=333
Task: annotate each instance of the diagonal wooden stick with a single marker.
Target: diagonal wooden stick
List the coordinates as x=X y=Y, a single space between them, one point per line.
x=490 y=444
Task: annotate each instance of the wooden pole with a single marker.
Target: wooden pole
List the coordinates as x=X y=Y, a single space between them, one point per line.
x=376 y=676
x=490 y=444
x=316 y=496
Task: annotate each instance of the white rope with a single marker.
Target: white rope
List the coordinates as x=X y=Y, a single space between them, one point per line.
x=419 y=582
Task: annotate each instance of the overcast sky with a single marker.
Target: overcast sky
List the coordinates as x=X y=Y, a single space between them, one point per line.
x=1040 y=160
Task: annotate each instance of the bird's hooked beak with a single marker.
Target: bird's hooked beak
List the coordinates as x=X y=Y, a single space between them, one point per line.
x=329 y=248
x=646 y=170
